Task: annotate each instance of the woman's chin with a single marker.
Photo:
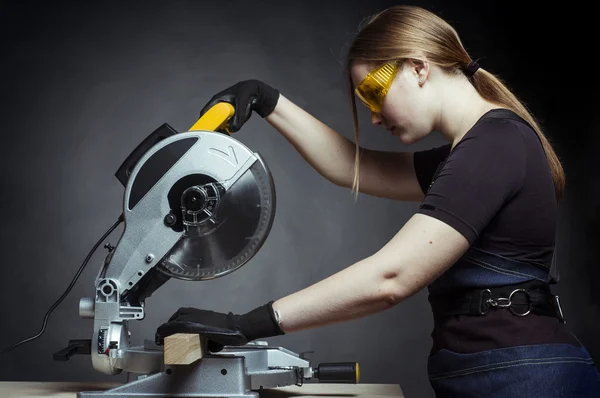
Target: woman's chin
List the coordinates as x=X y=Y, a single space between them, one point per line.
x=406 y=139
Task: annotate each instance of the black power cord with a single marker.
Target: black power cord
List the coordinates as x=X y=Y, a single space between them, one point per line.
x=57 y=303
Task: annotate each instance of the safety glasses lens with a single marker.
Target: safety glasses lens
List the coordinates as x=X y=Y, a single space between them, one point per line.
x=369 y=96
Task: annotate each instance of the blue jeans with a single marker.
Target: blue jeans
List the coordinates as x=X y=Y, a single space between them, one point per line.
x=540 y=371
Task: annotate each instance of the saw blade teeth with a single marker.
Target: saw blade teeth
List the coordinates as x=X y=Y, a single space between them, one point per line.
x=254 y=186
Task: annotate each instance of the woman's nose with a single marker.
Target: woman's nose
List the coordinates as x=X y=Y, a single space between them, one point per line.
x=376 y=118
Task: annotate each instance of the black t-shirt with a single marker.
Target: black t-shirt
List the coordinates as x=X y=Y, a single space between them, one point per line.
x=495 y=187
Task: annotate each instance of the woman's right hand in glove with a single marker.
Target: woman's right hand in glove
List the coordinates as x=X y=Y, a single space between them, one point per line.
x=246 y=96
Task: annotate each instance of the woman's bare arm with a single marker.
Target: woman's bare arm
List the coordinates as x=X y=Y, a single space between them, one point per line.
x=382 y=173
x=417 y=255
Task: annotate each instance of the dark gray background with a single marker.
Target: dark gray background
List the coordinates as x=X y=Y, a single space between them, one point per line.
x=84 y=82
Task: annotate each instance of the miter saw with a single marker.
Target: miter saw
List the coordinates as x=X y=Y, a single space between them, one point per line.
x=197 y=205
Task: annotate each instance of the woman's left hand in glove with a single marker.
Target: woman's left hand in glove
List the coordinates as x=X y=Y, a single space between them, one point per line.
x=222 y=329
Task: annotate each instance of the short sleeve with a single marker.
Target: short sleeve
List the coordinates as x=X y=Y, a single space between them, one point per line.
x=484 y=171
x=426 y=163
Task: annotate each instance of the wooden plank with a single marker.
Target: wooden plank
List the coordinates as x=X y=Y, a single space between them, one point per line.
x=184 y=348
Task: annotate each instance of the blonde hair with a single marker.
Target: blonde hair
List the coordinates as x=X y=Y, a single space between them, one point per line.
x=402 y=32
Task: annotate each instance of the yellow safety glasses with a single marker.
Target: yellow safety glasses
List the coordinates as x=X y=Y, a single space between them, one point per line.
x=374 y=87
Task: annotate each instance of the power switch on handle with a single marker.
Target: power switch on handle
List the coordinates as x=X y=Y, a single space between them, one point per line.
x=339 y=372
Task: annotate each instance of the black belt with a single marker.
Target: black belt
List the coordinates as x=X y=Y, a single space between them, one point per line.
x=521 y=299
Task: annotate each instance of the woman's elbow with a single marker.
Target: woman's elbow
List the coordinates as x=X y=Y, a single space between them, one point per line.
x=393 y=289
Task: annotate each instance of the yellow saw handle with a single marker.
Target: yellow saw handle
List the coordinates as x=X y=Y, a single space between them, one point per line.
x=215 y=119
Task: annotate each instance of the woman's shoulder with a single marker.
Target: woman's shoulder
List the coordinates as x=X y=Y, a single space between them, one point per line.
x=499 y=125
x=498 y=136
x=502 y=125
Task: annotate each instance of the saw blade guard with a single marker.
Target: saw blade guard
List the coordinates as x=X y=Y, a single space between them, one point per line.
x=223 y=225
x=198 y=205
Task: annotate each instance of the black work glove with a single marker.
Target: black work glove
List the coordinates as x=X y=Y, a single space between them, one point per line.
x=222 y=329
x=246 y=96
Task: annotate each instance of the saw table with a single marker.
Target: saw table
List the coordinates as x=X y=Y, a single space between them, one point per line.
x=15 y=389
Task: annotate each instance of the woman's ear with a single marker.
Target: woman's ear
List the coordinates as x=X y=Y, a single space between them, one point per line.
x=420 y=69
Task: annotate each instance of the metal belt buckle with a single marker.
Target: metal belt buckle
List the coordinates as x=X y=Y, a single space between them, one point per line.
x=503 y=302
x=528 y=302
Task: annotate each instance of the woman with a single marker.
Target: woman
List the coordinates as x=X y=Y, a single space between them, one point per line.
x=483 y=239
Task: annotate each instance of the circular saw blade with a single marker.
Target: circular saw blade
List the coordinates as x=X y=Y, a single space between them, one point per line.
x=231 y=236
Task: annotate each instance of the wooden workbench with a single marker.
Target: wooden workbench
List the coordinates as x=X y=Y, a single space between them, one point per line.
x=19 y=389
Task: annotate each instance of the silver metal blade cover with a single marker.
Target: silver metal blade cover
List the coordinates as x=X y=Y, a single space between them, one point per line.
x=225 y=224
